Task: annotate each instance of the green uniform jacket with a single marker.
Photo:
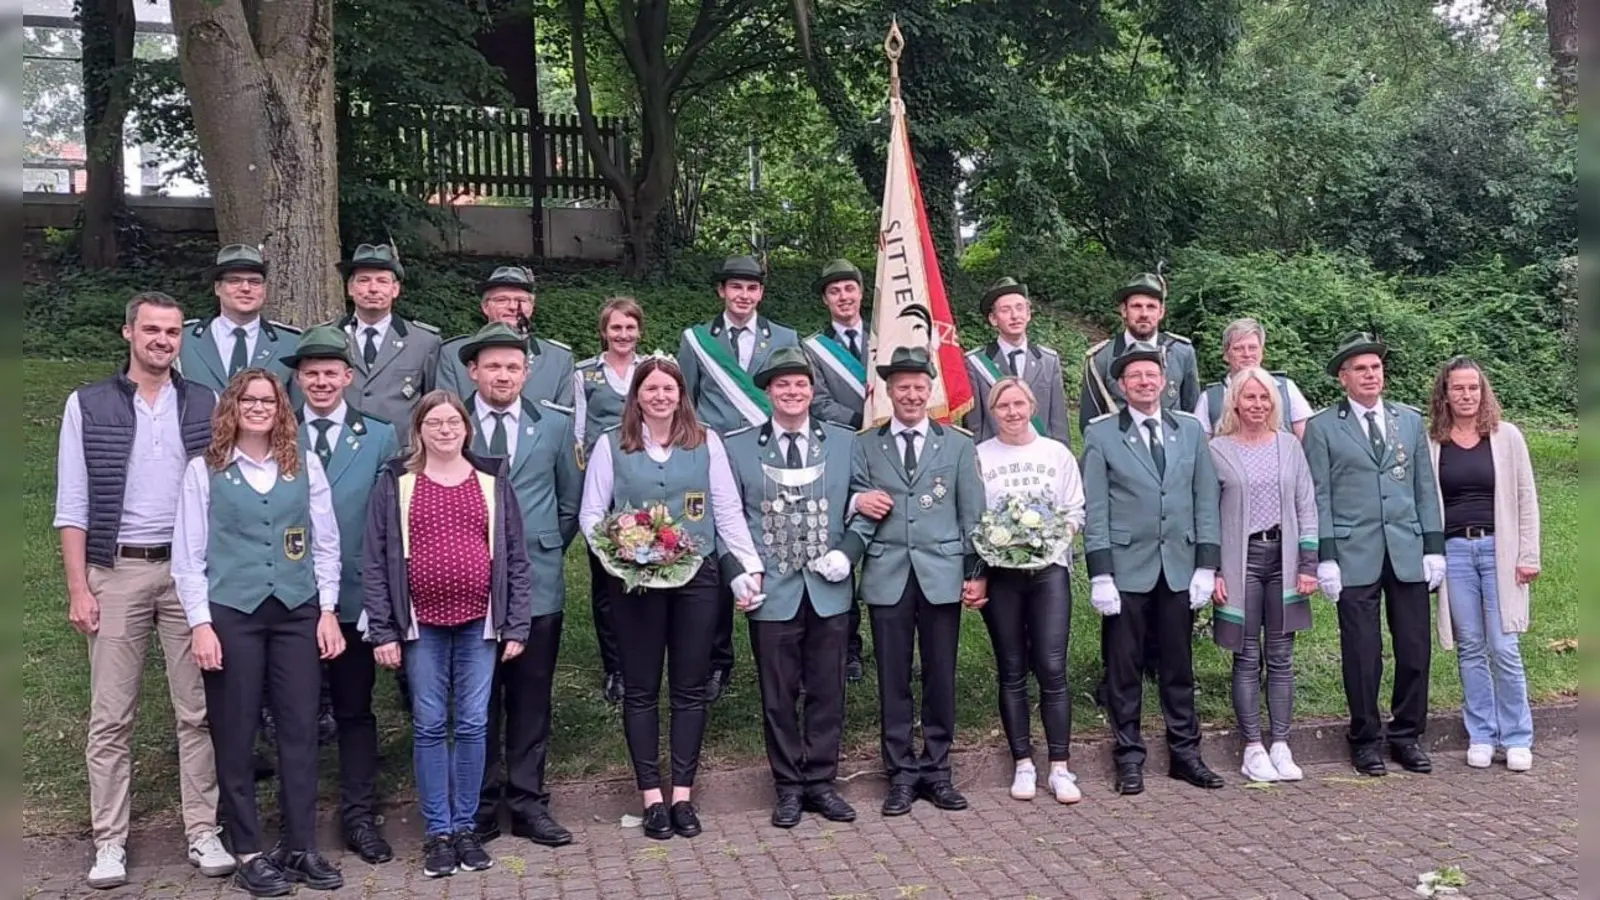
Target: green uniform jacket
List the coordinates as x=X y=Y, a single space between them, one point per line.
x=1042 y=372
x=406 y=368
x=549 y=371
x=929 y=530
x=1138 y=525
x=548 y=484
x=364 y=444
x=715 y=410
x=1367 y=507
x=199 y=363
x=834 y=399
x=1102 y=395
x=751 y=451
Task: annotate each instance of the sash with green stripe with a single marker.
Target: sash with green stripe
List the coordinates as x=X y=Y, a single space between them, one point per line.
x=991 y=373
x=841 y=361
x=735 y=382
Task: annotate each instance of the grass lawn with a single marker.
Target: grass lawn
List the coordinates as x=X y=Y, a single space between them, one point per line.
x=587 y=737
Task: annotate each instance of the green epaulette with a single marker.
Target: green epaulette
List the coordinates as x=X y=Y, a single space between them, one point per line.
x=1096 y=348
x=590 y=363
x=1178 y=337
x=555 y=343
x=1102 y=417
x=737 y=431
x=958 y=429
x=565 y=410
x=284 y=326
x=433 y=329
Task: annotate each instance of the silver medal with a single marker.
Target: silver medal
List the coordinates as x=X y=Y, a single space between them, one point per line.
x=1399 y=473
x=822 y=504
x=811 y=506
x=796 y=518
x=925 y=501
x=766 y=506
x=777 y=506
x=767 y=539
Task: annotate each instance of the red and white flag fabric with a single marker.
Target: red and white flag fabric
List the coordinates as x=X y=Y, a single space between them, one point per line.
x=910 y=308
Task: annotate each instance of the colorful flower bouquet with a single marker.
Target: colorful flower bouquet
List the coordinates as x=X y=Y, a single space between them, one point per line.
x=645 y=549
x=1022 y=532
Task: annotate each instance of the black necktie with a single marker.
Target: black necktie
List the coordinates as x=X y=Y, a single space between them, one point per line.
x=324 y=450
x=911 y=450
x=369 y=352
x=851 y=344
x=1016 y=366
x=1375 y=435
x=1158 y=453
x=734 y=333
x=499 y=444
x=240 y=359
x=791 y=457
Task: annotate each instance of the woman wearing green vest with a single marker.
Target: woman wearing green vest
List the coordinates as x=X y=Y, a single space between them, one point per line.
x=661 y=455
x=255 y=560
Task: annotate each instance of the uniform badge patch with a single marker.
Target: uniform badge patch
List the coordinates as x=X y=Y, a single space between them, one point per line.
x=294 y=544
x=694 y=505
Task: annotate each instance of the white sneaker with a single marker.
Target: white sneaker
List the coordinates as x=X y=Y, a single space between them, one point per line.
x=1283 y=762
x=110 y=866
x=1024 y=782
x=1519 y=759
x=1257 y=764
x=207 y=854
x=1480 y=756
x=1064 y=785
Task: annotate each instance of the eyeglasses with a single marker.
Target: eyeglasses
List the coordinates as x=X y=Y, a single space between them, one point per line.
x=443 y=424
x=258 y=401
x=238 y=280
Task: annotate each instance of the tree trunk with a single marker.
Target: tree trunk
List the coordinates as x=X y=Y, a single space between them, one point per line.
x=260 y=81
x=107 y=52
x=1561 y=21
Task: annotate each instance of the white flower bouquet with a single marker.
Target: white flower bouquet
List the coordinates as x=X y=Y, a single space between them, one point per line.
x=1022 y=531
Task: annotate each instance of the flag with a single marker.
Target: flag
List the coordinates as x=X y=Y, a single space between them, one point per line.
x=909 y=307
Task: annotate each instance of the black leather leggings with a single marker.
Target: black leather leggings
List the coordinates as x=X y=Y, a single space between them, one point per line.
x=1029 y=616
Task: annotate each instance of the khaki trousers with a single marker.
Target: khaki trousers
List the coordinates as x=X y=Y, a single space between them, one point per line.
x=138 y=599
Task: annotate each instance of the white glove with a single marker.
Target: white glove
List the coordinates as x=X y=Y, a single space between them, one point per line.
x=1104 y=596
x=1433 y=570
x=833 y=566
x=744 y=586
x=1328 y=579
x=1201 y=586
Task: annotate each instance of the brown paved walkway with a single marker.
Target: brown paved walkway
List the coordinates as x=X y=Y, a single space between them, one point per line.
x=1335 y=835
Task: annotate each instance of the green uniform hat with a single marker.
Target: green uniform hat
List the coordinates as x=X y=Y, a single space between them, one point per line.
x=495 y=334
x=376 y=257
x=1150 y=284
x=237 y=258
x=1004 y=286
x=320 y=342
x=907 y=359
x=519 y=277
x=1136 y=352
x=744 y=268
x=1354 y=344
x=784 y=361
x=838 y=270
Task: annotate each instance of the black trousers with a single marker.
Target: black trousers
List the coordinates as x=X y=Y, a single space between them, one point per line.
x=270 y=654
x=1029 y=617
x=680 y=626
x=603 y=588
x=1361 y=654
x=852 y=648
x=809 y=651
x=898 y=631
x=722 y=646
x=350 y=679
x=521 y=690
x=1164 y=613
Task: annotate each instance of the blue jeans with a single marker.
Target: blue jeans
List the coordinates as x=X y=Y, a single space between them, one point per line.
x=1494 y=690
x=444 y=665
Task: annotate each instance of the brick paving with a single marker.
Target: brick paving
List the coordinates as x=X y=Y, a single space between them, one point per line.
x=1335 y=835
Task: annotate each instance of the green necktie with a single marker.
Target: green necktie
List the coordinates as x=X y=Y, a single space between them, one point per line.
x=498 y=442
x=734 y=333
x=1375 y=435
x=324 y=450
x=240 y=359
x=1158 y=453
x=910 y=459
x=791 y=457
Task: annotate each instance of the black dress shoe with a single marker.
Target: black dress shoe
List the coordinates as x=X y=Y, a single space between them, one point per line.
x=613 y=688
x=899 y=800
x=1411 y=757
x=657 y=823
x=853 y=671
x=942 y=794
x=486 y=827
x=1368 y=762
x=542 y=829
x=828 y=804
x=786 y=812
x=1130 y=778
x=685 y=821
x=716 y=685
x=364 y=839
x=309 y=868
x=1195 y=772
x=261 y=877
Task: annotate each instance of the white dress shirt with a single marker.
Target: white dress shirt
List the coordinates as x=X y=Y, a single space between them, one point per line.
x=336 y=417
x=222 y=334
x=1360 y=412
x=155 y=469
x=1144 y=433
x=580 y=402
x=193 y=531
x=727 y=507
x=513 y=420
x=1005 y=355
x=358 y=330
x=747 y=339
x=802 y=438
x=844 y=340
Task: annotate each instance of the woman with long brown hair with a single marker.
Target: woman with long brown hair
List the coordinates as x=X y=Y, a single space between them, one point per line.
x=661 y=456
x=1491 y=548
x=255 y=560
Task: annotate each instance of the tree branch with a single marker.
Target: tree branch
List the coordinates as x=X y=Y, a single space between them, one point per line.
x=708 y=26
x=619 y=182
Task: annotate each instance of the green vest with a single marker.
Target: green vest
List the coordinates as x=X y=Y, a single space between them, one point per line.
x=601 y=403
x=682 y=484
x=259 y=545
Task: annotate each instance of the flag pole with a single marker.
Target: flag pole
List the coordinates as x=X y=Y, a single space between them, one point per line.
x=893 y=44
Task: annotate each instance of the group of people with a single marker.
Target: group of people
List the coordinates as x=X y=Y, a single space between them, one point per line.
x=363 y=495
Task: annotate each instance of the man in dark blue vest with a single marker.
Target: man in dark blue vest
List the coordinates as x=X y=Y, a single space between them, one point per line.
x=125 y=441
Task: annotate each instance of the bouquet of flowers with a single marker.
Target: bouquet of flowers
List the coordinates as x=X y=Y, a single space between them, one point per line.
x=1022 y=532
x=645 y=548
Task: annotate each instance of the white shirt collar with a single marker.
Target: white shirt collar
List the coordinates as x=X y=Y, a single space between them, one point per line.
x=1005 y=348
x=1128 y=340
x=485 y=410
x=749 y=327
x=1139 y=418
x=921 y=428
x=222 y=326
x=1361 y=411
x=804 y=430
x=359 y=328
x=337 y=416
x=839 y=328
x=239 y=456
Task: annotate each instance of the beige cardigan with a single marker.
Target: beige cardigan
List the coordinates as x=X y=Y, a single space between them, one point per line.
x=1516 y=529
